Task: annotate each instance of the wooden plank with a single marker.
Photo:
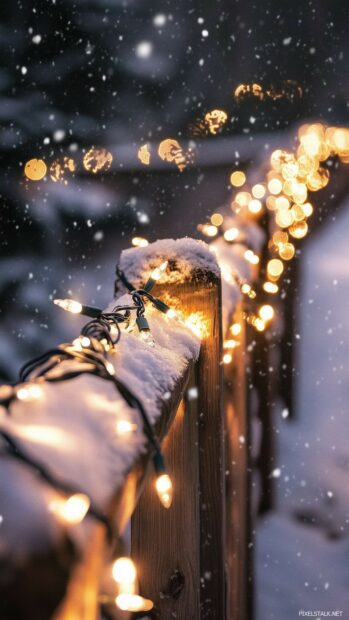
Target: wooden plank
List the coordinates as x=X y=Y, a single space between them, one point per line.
x=237 y=483
x=81 y=600
x=183 y=548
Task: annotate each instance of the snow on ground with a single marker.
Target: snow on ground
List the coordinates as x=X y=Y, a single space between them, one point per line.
x=303 y=547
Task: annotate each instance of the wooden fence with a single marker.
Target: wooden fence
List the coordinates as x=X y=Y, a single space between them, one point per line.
x=194 y=560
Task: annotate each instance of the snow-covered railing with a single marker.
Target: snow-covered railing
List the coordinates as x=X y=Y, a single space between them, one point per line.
x=87 y=435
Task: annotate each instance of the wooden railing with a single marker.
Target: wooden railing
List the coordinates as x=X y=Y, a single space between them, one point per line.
x=194 y=559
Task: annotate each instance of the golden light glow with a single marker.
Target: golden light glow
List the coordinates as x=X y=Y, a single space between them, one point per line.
x=231 y=234
x=299 y=230
x=251 y=257
x=275 y=186
x=125 y=427
x=275 y=268
x=255 y=206
x=29 y=392
x=82 y=342
x=284 y=218
x=72 y=510
x=133 y=602
x=237 y=178
x=139 y=242
x=307 y=209
x=227 y=358
x=171 y=151
x=125 y=574
x=158 y=271
x=35 y=169
x=258 y=190
x=246 y=289
x=230 y=344
x=198 y=324
x=243 y=198
x=60 y=167
x=70 y=305
x=236 y=329
x=208 y=229
x=164 y=490
x=172 y=314
x=286 y=251
x=215 y=119
x=144 y=155
x=266 y=312
x=259 y=324
x=281 y=202
x=97 y=159
x=270 y=287
x=216 y=219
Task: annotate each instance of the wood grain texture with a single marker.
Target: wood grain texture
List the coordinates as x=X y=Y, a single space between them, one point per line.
x=183 y=547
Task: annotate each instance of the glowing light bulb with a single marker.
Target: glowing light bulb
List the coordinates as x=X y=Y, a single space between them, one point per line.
x=146 y=336
x=270 y=287
x=246 y=289
x=230 y=344
x=125 y=574
x=236 y=329
x=216 y=219
x=81 y=343
x=109 y=368
x=237 y=178
x=251 y=257
x=286 y=251
x=172 y=314
x=258 y=190
x=124 y=427
x=266 y=312
x=72 y=510
x=227 y=358
x=70 y=305
x=29 y=393
x=275 y=186
x=259 y=324
x=133 y=602
x=299 y=230
x=164 y=489
x=275 y=268
x=158 y=271
x=139 y=242
x=231 y=234
x=255 y=206
x=208 y=229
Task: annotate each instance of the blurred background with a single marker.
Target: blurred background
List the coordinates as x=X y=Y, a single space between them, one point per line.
x=117 y=73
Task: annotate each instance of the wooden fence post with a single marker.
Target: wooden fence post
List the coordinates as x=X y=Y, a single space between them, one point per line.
x=238 y=488
x=183 y=548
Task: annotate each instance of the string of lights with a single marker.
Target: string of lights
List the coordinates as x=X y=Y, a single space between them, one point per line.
x=87 y=354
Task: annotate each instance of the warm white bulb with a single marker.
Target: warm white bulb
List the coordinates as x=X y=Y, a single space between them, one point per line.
x=147 y=337
x=227 y=358
x=81 y=343
x=72 y=510
x=110 y=368
x=29 y=392
x=157 y=273
x=70 y=305
x=124 y=572
x=266 y=312
x=124 y=427
x=133 y=602
x=236 y=329
x=172 y=314
x=164 y=490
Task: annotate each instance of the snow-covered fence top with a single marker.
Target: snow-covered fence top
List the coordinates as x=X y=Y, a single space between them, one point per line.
x=87 y=436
